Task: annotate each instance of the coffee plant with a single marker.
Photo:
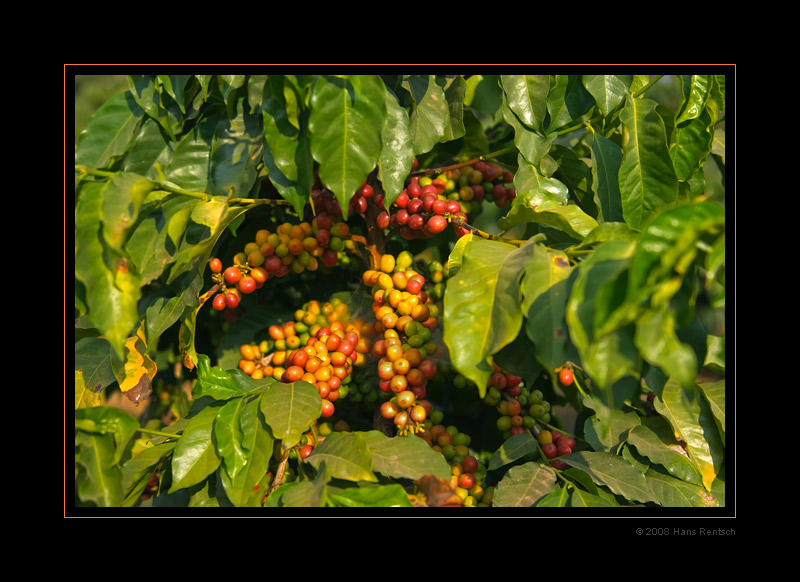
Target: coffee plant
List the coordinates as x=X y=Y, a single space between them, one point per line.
x=341 y=291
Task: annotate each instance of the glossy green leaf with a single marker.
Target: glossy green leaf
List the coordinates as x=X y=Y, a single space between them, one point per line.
x=597 y=292
x=513 y=448
x=647 y=179
x=608 y=91
x=612 y=471
x=137 y=470
x=146 y=91
x=693 y=421
x=669 y=241
x=228 y=436
x=112 y=289
x=235 y=152
x=482 y=306
x=405 y=457
x=654 y=440
x=346 y=455
x=671 y=492
x=347 y=115
x=658 y=342
x=524 y=485
x=696 y=92
x=606 y=161
x=371 y=496
x=540 y=206
x=287 y=154
x=557 y=498
x=109 y=132
x=290 y=410
x=216 y=383
x=532 y=145
x=610 y=425
x=108 y=420
x=99 y=479
x=397 y=150
x=545 y=290
x=568 y=100
x=188 y=167
x=527 y=98
x=195 y=456
x=714 y=393
x=245 y=446
x=429 y=112
x=580 y=498
x=150 y=147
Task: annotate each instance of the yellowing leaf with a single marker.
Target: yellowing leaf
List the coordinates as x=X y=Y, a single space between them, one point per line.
x=139 y=370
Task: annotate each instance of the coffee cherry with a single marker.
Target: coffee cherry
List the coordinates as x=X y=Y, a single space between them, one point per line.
x=232 y=275
x=246 y=284
x=219 y=301
x=305 y=451
x=232 y=300
x=215 y=265
x=550 y=450
x=565 y=376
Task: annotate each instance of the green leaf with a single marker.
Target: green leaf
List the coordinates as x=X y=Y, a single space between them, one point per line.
x=611 y=471
x=540 y=206
x=215 y=382
x=195 y=456
x=371 y=496
x=527 y=98
x=397 y=150
x=235 y=151
x=513 y=448
x=189 y=165
x=524 y=486
x=654 y=440
x=290 y=410
x=658 y=342
x=482 y=306
x=245 y=446
x=545 y=290
x=99 y=479
x=597 y=292
x=696 y=93
x=671 y=492
x=429 y=112
x=287 y=154
x=568 y=100
x=606 y=161
x=608 y=91
x=714 y=393
x=112 y=289
x=136 y=471
x=405 y=457
x=346 y=455
x=347 y=116
x=693 y=422
x=610 y=425
x=109 y=132
x=647 y=179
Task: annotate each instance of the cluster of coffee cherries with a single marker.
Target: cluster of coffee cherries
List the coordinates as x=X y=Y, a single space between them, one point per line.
x=404 y=319
x=298 y=247
x=421 y=210
x=477 y=183
x=554 y=444
x=289 y=248
x=233 y=282
x=323 y=352
x=468 y=473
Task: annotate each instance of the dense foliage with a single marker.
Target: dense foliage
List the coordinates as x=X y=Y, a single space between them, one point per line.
x=397 y=291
